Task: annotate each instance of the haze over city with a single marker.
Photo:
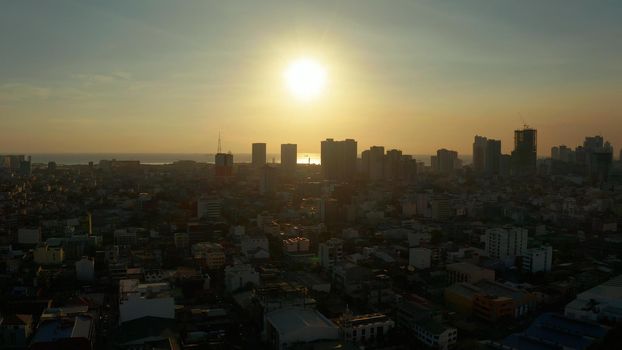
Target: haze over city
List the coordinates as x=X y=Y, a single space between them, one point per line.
x=310 y=175
x=117 y=76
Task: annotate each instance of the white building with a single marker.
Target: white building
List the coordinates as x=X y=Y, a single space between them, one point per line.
x=506 y=243
x=238 y=276
x=538 y=259
x=435 y=335
x=138 y=300
x=601 y=303
x=362 y=328
x=289 y=326
x=420 y=258
x=330 y=252
x=85 y=269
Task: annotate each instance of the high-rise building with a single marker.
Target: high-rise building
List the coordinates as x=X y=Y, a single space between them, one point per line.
x=289 y=156
x=493 y=156
x=593 y=143
x=267 y=179
x=566 y=154
x=479 y=153
x=392 y=165
x=597 y=157
x=506 y=243
x=376 y=163
x=408 y=168
x=447 y=161
x=338 y=159
x=524 y=156
x=600 y=165
x=434 y=164
x=224 y=164
x=555 y=153
x=259 y=155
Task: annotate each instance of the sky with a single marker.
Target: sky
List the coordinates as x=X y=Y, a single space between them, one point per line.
x=164 y=76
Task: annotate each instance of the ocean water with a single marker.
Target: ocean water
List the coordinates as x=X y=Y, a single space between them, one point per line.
x=158 y=158
x=167 y=158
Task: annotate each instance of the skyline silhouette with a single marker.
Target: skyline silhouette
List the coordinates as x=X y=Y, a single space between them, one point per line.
x=152 y=77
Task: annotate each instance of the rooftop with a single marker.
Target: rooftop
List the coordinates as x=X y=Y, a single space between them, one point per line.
x=293 y=319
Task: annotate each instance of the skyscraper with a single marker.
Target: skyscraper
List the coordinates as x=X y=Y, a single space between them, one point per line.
x=447 y=161
x=479 y=153
x=376 y=163
x=493 y=156
x=555 y=153
x=392 y=165
x=289 y=156
x=259 y=155
x=338 y=159
x=524 y=156
x=224 y=164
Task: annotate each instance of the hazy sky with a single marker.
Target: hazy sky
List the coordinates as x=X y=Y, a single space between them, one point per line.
x=166 y=76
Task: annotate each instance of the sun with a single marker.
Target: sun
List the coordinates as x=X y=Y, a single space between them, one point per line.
x=305 y=79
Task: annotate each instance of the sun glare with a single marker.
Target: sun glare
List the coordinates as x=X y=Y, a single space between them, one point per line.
x=305 y=79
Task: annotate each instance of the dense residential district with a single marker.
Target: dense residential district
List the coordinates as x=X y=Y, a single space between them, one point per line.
x=370 y=250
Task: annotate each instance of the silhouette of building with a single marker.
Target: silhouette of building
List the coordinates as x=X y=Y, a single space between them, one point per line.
x=289 y=156
x=267 y=179
x=524 y=156
x=479 y=153
x=224 y=164
x=447 y=161
x=259 y=155
x=338 y=159
x=392 y=165
x=493 y=156
x=600 y=165
x=376 y=163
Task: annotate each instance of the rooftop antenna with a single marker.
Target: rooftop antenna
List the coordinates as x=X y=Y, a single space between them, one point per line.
x=219 y=144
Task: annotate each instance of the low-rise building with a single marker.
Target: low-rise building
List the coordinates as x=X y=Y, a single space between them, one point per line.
x=489 y=300
x=296 y=245
x=85 y=269
x=286 y=327
x=436 y=335
x=238 y=276
x=420 y=258
x=49 y=254
x=138 y=300
x=364 y=328
x=211 y=255
x=601 y=303
x=15 y=331
x=65 y=332
x=467 y=272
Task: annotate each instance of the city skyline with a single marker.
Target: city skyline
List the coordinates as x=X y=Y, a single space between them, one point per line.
x=417 y=76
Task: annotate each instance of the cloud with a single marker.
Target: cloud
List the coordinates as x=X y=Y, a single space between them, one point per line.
x=92 y=79
x=13 y=92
